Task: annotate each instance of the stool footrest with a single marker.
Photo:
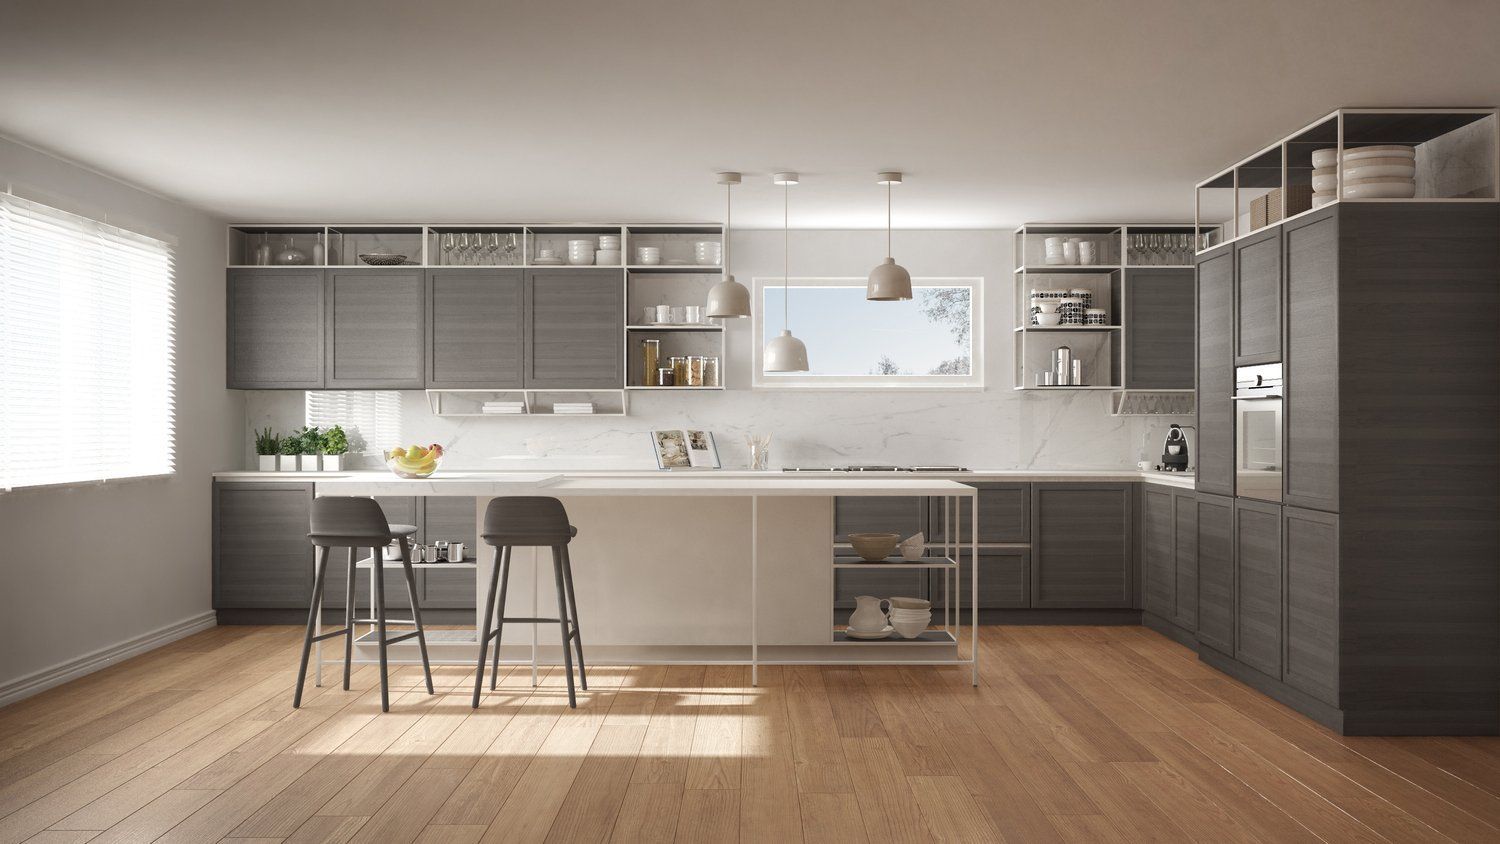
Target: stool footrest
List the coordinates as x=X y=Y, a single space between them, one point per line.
x=342 y=631
x=402 y=638
x=388 y=621
x=529 y=620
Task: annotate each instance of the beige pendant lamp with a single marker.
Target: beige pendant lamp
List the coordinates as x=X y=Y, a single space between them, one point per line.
x=785 y=353
x=889 y=282
x=728 y=298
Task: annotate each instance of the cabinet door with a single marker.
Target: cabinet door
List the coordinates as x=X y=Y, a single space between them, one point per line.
x=1215 y=458
x=1159 y=329
x=1257 y=616
x=1158 y=565
x=575 y=329
x=275 y=329
x=1215 y=547
x=1185 y=555
x=1082 y=542
x=1004 y=575
x=476 y=328
x=399 y=510
x=262 y=557
x=1312 y=603
x=877 y=514
x=376 y=325
x=452 y=519
x=1257 y=299
x=1004 y=514
x=1311 y=460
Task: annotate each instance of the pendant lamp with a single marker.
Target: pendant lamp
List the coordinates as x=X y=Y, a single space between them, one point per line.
x=889 y=282
x=728 y=298
x=785 y=353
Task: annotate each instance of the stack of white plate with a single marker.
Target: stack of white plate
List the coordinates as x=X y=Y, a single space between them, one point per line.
x=1385 y=171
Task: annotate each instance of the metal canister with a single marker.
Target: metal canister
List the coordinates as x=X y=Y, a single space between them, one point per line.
x=1062 y=365
x=456 y=552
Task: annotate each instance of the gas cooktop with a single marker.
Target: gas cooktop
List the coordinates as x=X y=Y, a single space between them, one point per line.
x=873 y=468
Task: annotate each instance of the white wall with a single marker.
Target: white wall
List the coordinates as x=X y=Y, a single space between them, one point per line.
x=994 y=428
x=87 y=568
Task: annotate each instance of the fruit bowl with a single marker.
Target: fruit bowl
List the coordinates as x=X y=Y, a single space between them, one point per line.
x=413 y=462
x=874 y=547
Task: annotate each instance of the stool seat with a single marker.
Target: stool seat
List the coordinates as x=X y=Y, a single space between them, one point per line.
x=398 y=531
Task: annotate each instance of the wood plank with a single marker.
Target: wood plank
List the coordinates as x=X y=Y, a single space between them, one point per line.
x=714 y=758
x=404 y=817
x=832 y=817
x=818 y=755
x=709 y=814
x=588 y=812
x=768 y=774
x=648 y=813
x=669 y=734
x=325 y=829
x=951 y=811
x=885 y=796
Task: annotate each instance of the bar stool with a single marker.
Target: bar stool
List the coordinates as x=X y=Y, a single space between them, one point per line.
x=529 y=522
x=355 y=523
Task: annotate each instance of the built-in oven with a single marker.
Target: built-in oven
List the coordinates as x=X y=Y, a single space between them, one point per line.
x=1257 y=432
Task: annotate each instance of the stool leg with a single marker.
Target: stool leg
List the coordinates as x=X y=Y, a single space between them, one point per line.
x=416 y=610
x=377 y=573
x=500 y=618
x=567 y=562
x=562 y=621
x=484 y=631
x=349 y=621
x=312 y=622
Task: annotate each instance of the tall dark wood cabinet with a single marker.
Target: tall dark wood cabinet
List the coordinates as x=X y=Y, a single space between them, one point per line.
x=1311 y=656
x=376 y=325
x=476 y=328
x=1215 y=445
x=274 y=325
x=574 y=329
x=1310 y=471
x=1257 y=585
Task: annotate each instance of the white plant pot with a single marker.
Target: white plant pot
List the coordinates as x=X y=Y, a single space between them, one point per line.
x=308 y=462
x=267 y=462
x=333 y=462
x=286 y=462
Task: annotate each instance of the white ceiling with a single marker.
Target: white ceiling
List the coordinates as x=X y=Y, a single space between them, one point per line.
x=467 y=111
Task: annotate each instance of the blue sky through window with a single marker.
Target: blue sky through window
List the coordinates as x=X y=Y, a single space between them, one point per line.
x=848 y=335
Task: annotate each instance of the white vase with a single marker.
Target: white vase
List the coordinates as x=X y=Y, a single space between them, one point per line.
x=868 y=617
x=286 y=463
x=308 y=462
x=267 y=462
x=333 y=462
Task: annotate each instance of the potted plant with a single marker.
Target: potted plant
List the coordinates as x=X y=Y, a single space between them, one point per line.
x=309 y=443
x=335 y=444
x=267 y=445
x=290 y=448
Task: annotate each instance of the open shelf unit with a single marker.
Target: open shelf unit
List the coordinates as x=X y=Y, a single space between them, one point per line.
x=1457 y=160
x=444 y=402
x=1120 y=249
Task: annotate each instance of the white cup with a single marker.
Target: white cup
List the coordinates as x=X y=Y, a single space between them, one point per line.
x=664 y=314
x=547 y=254
x=1086 y=254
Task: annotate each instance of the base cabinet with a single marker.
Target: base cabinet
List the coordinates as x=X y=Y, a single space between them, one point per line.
x=1312 y=602
x=1158 y=563
x=1214 y=531
x=1257 y=581
x=262 y=559
x=1082 y=546
x=1004 y=580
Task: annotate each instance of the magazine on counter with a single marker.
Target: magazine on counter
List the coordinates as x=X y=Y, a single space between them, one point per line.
x=685 y=449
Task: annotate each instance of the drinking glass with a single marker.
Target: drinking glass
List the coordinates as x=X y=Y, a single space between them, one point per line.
x=492 y=249
x=1137 y=249
x=449 y=243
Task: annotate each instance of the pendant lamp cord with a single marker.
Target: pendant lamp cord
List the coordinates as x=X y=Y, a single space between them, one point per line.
x=728 y=218
x=887 y=219
x=786 y=257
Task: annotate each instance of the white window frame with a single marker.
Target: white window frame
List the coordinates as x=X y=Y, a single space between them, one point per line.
x=762 y=381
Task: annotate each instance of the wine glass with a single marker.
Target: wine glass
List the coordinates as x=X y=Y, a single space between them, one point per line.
x=493 y=248
x=1137 y=249
x=449 y=243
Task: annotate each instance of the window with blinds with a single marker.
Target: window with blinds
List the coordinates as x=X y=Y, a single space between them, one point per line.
x=371 y=418
x=86 y=350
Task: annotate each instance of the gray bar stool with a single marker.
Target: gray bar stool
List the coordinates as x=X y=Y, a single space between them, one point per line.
x=529 y=522
x=356 y=523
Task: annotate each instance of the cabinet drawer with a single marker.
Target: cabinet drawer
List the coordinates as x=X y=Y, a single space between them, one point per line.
x=1004 y=514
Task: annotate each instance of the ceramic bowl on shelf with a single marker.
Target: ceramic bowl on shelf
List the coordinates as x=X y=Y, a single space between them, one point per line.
x=382 y=259
x=1384 y=188
x=1325 y=180
x=607 y=257
x=1377 y=168
x=874 y=547
x=1322 y=159
x=1047 y=320
x=1379 y=151
x=898 y=603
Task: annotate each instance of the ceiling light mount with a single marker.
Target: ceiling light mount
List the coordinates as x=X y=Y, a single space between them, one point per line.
x=785 y=179
x=888 y=178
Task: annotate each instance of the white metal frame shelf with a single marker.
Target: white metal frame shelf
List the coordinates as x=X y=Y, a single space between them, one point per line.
x=435 y=397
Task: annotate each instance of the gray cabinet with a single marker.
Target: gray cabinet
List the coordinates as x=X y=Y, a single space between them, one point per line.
x=1312 y=602
x=575 y=325
x=1082 y=546
x=1004 y=514
x=376 y=326
x=1257 y=299
x=1214 y=547
x=476 y=328
x=1004 y=580
x=451 y=519
x=262 y=559
x=1215 y=446
x=1185 y=559
x=1258 y=593
x=1158 y=564
x=1159 y=329
x=275 y=329
x=1311 y=455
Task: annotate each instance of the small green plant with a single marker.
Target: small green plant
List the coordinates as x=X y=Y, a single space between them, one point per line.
x=291 y=446
x=309 y=440
x=267 y=442
x=335 y=441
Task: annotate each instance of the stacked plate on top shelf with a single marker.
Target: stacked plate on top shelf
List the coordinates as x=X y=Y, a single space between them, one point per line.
x=1385 y=171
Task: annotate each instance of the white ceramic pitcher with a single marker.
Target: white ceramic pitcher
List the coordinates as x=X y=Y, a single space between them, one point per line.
x=868 y=616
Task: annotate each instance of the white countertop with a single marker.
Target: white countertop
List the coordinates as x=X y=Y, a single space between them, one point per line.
x=701 y=481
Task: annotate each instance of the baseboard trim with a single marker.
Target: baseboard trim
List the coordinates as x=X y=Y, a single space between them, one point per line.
x=40 y=681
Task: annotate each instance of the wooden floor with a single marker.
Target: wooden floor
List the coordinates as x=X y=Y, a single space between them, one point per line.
x=1076 y=734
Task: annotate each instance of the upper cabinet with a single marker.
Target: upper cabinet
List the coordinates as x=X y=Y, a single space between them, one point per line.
x=1159 y=329
x=275 y=329
x=1216 y=372
x=476 y=328
x=376 y=325
x=575 y=324
x=1257 y=299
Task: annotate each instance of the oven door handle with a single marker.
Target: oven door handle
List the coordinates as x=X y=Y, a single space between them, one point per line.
x=1255 y=398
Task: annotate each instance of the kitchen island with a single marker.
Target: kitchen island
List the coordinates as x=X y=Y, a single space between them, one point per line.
x=698 y=567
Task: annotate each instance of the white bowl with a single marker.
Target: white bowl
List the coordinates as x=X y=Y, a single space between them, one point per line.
x=1379 y=168
x=1380 y=189
x=1047 y=320
x=607 y=257
x=1379 y=151
x=1322 y=158
x=923 y=616
x=580 y=259
x=909 y=629
x=1325 y=180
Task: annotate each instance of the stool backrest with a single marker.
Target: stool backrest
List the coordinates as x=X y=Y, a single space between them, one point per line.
x=343 y=521
x=526 y=520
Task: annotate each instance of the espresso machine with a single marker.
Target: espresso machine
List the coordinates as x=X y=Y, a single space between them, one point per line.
x=1174 y=454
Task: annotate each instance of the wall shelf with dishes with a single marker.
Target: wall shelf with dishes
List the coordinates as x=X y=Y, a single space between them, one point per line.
x=1355 y=155
x=1073 y=281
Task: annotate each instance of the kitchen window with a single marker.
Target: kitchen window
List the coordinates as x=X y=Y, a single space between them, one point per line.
x=86 y=349
x=931 y=341
x=371 y=418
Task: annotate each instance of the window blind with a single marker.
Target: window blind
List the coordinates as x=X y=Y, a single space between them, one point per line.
x=371 y=418
x=86 y=349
